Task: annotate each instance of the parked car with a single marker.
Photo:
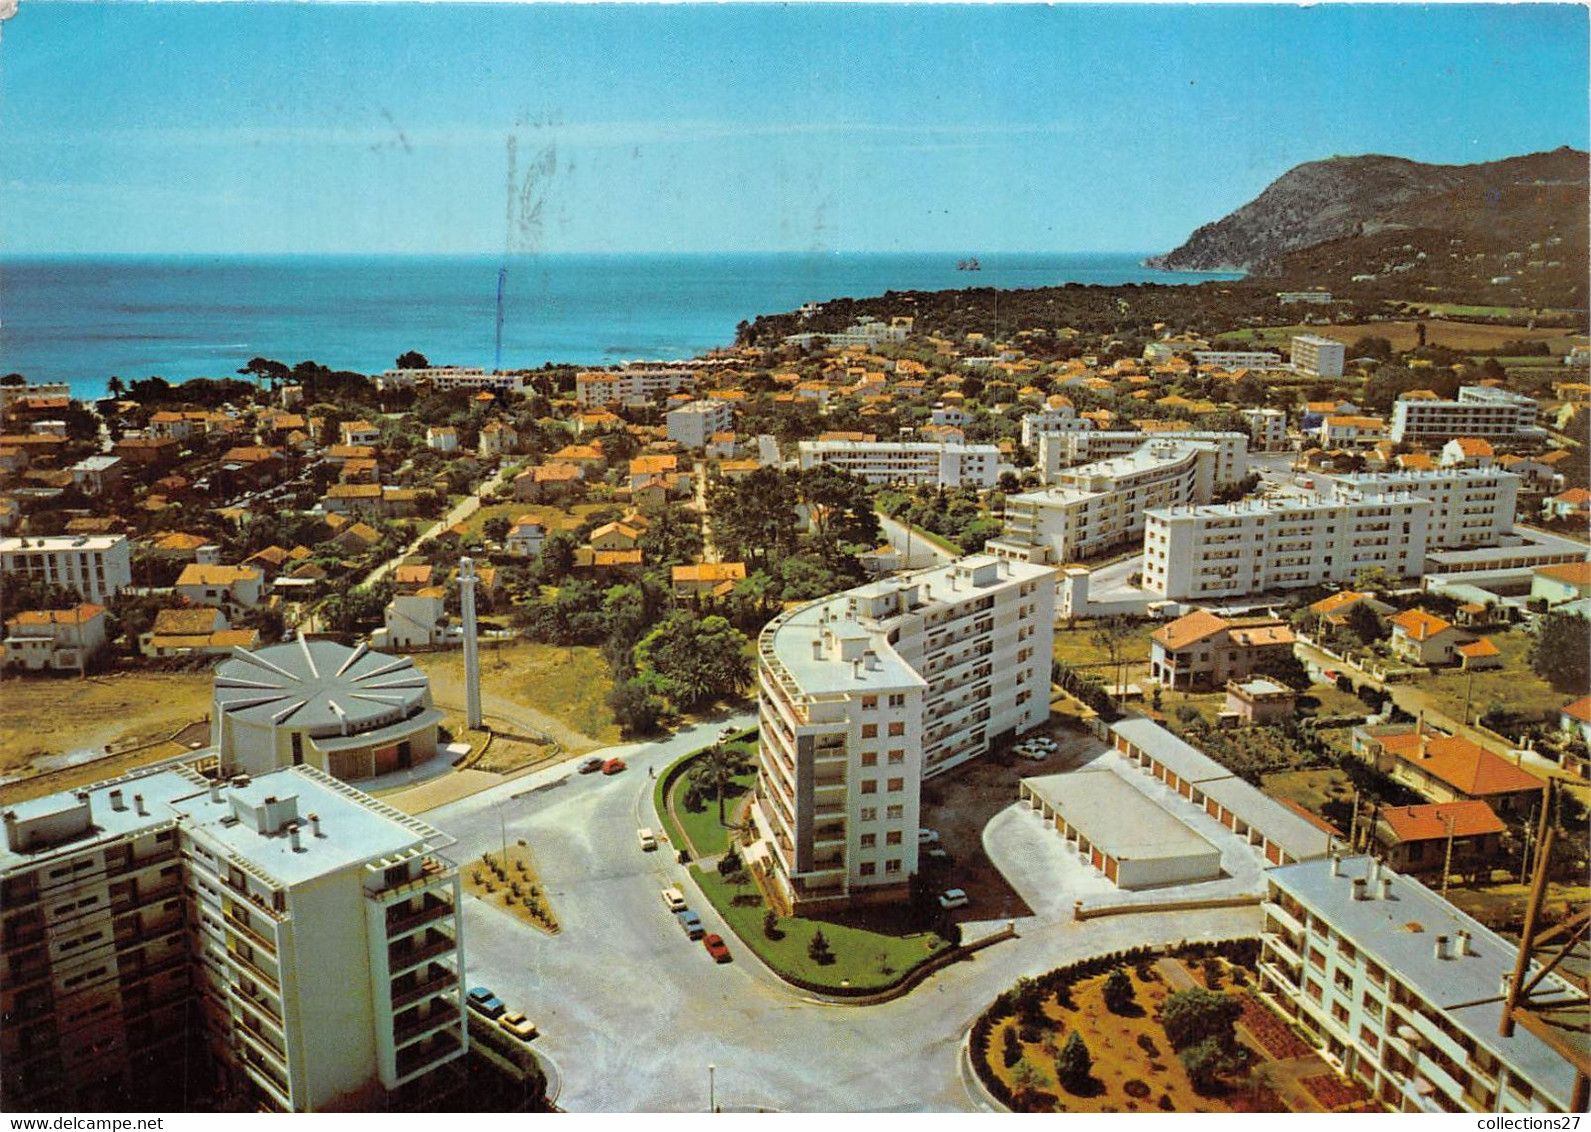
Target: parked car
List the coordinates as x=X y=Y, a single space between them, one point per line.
x=728 y=733
x=953 y=898
x=674 y=900
x=690 y=923
x=1034 y=754
x=927 y=837
x=482 y=999
x=716 y=948
x=517 y=1024
x=647 y=838
x=935 y=853
x=590 y=766
x=613 y=766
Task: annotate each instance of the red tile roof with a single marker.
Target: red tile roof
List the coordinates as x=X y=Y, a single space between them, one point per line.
x=1472 y=818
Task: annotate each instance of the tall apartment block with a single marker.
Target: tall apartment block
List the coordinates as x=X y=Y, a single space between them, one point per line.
x=1058 y=451
x=632 y=385
x=1404 y=992
x=303 y=933
x=1229 y=550
x=1469 y=506
x=1480 y=411
x=1102 y=505
x=693 y=425
x=914 y=462
x=96 y=566
x=865 y=694
x=1318 y=356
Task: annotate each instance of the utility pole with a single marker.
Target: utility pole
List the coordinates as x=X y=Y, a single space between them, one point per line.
x=1447 y=861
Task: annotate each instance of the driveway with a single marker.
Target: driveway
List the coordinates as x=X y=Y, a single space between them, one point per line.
x=916 y=551
x=634 y=1013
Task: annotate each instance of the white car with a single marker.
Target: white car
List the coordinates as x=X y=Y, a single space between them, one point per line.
x=927 y=837
x=953 y=898
x=647 y=838
x=1043 y=743
x=674 y=900
x=1036 y=754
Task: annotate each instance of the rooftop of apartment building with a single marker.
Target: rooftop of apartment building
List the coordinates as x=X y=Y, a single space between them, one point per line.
x=837 y=645
x=251 y=818
x=1399 y=927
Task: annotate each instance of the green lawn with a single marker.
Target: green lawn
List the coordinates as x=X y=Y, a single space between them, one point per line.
x=707 y=837
x=550 y=517
x=862 y=958
x=1515 y=686
x=1311 y=789
x=1075 y=646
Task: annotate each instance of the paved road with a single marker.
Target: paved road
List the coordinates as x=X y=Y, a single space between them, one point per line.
x=634 y=1013
x=462 y=510
x=922 y=552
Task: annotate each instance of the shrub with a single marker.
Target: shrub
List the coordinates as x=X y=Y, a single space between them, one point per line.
x=1191 y=1016
x=1136 y=1089
x=729 y=863
x=1012 y=1050
x=1074 y=1066
x=770 y=925
x=818 y=949
x=1213 y=974
x=1205 y=1061
x=1118 y=992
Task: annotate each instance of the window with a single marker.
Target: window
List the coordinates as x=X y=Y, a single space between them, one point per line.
x=869 y=786
x=897 y=700
x=1340 y=1013
x=870 y=731
x=868 y=868
x=869 y=703
x=896 y=758
x=898 y=727
x=869 y=758
x=892 y=866
x=1317 y=959
x=1343 y=980
x=895 y=813
x=1372 y=1005
x=896 y=785
x=1312 y=988
x=892 y=837
x=868 y=813
x=1367 y=1038
x=869 y=840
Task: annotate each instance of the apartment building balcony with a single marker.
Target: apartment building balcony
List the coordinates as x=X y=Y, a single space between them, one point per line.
x=1287 y=946
x=397 y=883
x=270 y=1078
x=258 y=1005
x=828 y=782
x=1286 y=917
x=254 y=969
x=428 y=1054
x=401 y=921
x=409 y=954
x=243 y=928
x=406 y=1030
x=410 y=989
x=143 y=898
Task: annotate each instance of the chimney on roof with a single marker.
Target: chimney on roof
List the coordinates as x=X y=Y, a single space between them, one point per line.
x=215 y=791
x=116 y=802
x=1461 y=943
x=1441 y=947
x=293 y=839
x=138 y=804
x=314 y=825
x=1359 y=889
x=1336 y=864
x=1386 y=888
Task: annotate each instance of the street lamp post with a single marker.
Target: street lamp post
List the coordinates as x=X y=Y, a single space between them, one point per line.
x=712 y=1096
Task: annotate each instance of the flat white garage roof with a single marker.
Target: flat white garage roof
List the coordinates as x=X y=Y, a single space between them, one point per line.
x=1117 y=818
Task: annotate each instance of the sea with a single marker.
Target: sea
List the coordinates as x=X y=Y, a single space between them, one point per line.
x=81 y=320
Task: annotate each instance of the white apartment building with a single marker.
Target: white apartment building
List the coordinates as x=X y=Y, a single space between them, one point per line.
x=1229 y=550
x=1403 y=991
x=1317 y=356
x=311 y=933
x=693 y=425
x=1064 y=450
x=444 y=378
x=1099 y=506
x=913 y=462
x=14 y=394
x=1267 y=428
x=867 y=333
x=1288 y=297
x=1480 y=411
x=637 y=384
x=1061 y=418
x=864 y=694
x=1469 y=506
x=1230 y=360
x=96 y=566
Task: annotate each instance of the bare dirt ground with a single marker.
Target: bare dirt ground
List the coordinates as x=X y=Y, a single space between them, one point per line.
x=47 y=721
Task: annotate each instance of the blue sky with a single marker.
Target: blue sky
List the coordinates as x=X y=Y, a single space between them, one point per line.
x=373 y=128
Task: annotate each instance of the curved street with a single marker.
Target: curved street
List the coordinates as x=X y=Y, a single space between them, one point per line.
x=634 y=1013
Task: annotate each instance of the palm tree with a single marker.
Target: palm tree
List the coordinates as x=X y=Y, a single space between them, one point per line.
x=715 y=770
x=115 y=386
